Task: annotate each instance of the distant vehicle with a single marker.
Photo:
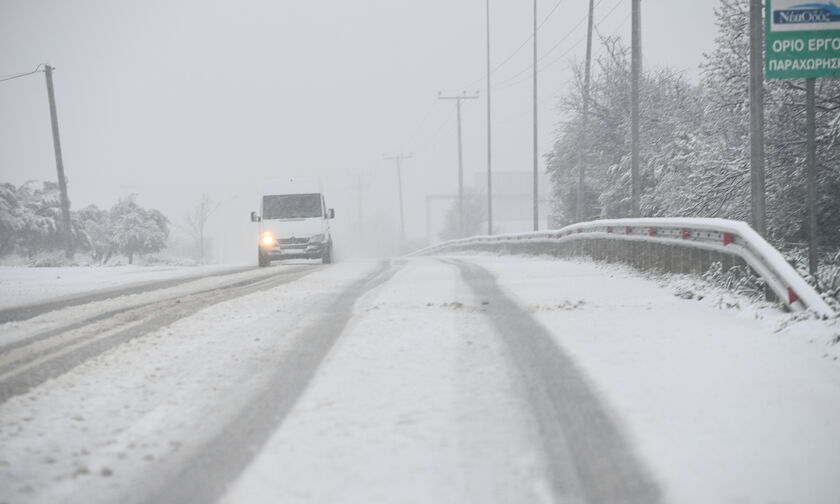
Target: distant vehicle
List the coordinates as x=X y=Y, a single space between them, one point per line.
x=294 y=221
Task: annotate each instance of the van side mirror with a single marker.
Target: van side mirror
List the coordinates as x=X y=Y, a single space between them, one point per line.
x=330 y=214
x=255 y=217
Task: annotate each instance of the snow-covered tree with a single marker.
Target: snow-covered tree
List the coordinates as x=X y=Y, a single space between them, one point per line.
x=97 y=233
x=14 y=217
x=138 y=230
x=695 y=141
x=670 y=111
x=29 y=217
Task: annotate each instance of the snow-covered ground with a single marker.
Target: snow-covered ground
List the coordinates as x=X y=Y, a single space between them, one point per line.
x=24 y=285
x=137 y=413
x=737 y=405
x=418 y=400
x=727 y=406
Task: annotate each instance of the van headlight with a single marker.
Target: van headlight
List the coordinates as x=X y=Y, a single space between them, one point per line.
x=267 y=240
x=318 y=238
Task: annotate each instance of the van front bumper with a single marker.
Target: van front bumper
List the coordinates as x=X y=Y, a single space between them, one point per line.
x=300 y=250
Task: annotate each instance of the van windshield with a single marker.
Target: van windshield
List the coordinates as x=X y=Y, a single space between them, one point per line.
x=292 y=206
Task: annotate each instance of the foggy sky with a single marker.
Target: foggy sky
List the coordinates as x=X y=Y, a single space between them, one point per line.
x=172 y=99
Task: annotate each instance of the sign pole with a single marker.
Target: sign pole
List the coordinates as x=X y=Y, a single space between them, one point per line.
x=757 y=180
x=811 y=133
x=803 y=42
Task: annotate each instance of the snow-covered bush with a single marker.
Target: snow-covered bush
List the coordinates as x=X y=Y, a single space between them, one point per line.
x=51 y=259
x=827 y=281
x=738 y=279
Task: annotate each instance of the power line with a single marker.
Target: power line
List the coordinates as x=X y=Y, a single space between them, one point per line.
x=423 y=121
x=17 y=76
x=511 y=81
x=584 y=18
x=553 y=94
x=434 y=139
x=516 y=51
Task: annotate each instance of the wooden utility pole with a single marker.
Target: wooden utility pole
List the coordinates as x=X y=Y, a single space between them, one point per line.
x=398 y=159
x=458 y=99
x=635 y=76
x=67 y=230
x=584 y=148
x=759 y=215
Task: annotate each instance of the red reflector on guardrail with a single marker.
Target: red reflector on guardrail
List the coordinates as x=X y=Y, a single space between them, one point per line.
x=728 y=238
x=792 y=297
x=628 y=230
x=685 y=234
x=609 y=230
x=652 y=231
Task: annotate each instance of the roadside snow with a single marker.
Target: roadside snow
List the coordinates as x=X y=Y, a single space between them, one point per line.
x=22 y=286
x=727 y=406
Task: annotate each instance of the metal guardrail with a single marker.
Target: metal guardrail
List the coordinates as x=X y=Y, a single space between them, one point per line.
x=720 y=236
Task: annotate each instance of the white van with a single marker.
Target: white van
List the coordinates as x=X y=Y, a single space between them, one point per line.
x=294 y=221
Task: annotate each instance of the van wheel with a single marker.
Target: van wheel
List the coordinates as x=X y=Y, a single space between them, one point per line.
x=262 y=259
x=327 y=258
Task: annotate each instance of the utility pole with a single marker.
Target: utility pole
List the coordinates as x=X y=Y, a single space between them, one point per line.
x=584 y=148
x=489 y=143
x=59 y=165
x=811 y=133
x=458 y=99
x=399 y=159
x=635 y=75
x=759 y=215
x=536 y=140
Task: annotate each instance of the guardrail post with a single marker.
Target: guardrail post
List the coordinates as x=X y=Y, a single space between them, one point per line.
x=769 y=295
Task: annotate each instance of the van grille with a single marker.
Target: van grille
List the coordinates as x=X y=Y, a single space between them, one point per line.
x=293 y=241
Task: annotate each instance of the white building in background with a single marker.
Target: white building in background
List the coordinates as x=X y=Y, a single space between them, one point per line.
x=513 y=201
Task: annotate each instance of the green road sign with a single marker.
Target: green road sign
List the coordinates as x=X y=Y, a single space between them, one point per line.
x=802 y=39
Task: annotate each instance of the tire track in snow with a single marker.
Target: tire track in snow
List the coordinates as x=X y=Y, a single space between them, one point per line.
x=34 y=338
x=18 y=313
x=105 y=332
x=588 y=458
x=218 y=462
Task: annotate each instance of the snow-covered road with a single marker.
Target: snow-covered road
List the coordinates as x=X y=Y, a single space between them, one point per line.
x=470 y=379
